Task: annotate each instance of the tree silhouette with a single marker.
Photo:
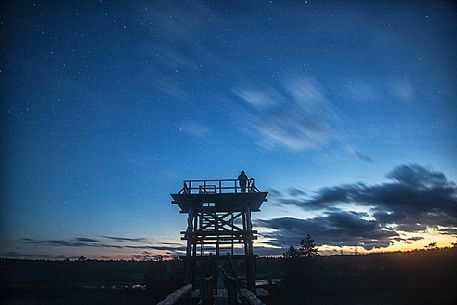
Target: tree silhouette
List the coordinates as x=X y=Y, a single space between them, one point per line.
x=308 y=247
x=82 y=258
x=291 y=253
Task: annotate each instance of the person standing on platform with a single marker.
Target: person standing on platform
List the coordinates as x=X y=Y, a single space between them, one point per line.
x=242 y=178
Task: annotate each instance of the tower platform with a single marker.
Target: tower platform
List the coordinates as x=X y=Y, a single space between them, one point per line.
x=223 y=195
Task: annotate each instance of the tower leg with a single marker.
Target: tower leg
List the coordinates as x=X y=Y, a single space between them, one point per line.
x=189 y=263
x=248 y=249
x=250 y=259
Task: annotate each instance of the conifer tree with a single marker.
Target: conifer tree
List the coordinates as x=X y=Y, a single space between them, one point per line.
x=291 y=253
x=308 y=247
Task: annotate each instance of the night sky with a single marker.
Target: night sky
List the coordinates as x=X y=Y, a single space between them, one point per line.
x=344 y=111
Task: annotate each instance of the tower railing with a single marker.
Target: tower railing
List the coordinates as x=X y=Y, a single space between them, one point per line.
x=218 y=186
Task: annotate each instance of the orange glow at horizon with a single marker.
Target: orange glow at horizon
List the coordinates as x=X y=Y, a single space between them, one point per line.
x=430 y=236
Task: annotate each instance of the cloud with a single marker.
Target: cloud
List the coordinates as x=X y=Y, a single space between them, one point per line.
x=354 y=151
x=408 y=240
x=159 y=248
x=296 y=116
x=274 y=193
x=402 y=89
x=415 y=199
x=419 y=177
x=337 y=228
x=195 y=129
x=170 y=243
x=295 y=192
x=416 y=238
x=15 y=254
x=259 y=99
x=175 y=34
x=25 y=255
x=87 y=240
x=169 y=247
x=70 y=243
x=124 y=239
x=415 y=193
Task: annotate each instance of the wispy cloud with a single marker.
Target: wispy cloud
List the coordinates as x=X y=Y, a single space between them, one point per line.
x=354 y=151
x=363 y=90
x=195 y=129
x=259 y=99
x=402 y=89
x=87 y=240
x=297 y=116
x=296 y=192
x=124 y=239
x=274 y=192
x=160 y=248
x=175 y=31
x=70 y=243
x=119 y=243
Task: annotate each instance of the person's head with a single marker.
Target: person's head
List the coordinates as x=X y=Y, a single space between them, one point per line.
x=242 y=172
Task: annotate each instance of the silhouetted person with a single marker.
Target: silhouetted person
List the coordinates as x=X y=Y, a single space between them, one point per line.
x=242 y=178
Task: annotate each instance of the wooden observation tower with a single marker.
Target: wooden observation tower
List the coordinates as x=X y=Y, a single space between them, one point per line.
x=219 y=226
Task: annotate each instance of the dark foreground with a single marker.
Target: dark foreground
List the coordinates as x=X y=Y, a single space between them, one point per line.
x=424 y=277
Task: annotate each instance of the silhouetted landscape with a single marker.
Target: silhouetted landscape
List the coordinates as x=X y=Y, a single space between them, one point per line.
x=419 y=277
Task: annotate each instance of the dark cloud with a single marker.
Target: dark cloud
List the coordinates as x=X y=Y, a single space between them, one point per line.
x=124 y=239
x=415 y=199
x=25 y=255
x=415 y=238
x=295 y=192
x=419 y=177
x=336 y=228
x=451 y=231
x=78 y=242
x=15 y=254
x=169 y=243
x=274 y=193
x=360 y=155
x=416 y=195
x=407 y=240
x=159 y=248
x=88 y=240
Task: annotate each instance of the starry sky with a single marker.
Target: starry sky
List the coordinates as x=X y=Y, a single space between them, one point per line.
x=344 y=111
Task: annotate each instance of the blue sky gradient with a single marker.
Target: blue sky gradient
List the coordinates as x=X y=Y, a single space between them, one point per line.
x=107 y=107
